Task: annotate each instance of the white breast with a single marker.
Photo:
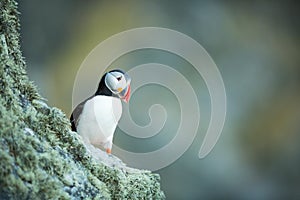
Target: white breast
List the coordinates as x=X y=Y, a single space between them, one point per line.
x=98 y=120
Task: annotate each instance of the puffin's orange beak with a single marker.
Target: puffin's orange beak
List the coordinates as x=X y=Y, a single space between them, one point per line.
x=127 y=95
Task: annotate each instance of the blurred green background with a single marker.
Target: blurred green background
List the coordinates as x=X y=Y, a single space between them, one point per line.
x=255 y=45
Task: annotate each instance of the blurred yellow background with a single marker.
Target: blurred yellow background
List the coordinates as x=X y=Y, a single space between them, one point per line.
x=256 y=48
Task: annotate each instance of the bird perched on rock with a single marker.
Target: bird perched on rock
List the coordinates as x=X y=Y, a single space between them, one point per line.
x=96 y=118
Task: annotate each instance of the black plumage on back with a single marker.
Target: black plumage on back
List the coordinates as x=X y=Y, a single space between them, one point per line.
x=76 y=114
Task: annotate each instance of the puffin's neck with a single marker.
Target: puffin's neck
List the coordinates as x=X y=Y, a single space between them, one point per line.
x=103 y=89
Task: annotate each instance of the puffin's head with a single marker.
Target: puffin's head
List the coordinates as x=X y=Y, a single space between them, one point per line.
x=118 y=82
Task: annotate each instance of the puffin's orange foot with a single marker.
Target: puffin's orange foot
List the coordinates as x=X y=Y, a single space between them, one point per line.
x=108 y=150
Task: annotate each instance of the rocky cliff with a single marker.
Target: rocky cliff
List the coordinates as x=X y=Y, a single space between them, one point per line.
x=40 y=157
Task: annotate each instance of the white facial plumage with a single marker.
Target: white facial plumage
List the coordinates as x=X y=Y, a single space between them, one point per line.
x=115 y=81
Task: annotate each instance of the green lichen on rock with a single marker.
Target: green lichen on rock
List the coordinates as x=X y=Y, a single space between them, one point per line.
x=40 y=157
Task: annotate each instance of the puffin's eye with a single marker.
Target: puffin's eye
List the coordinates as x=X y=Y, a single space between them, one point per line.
x=119 y=78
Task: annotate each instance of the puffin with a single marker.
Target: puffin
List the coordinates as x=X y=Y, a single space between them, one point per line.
x=97 y=117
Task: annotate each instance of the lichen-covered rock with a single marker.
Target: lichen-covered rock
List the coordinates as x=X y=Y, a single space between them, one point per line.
x=40 y=157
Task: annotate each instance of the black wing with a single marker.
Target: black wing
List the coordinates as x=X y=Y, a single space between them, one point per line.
x=75 y=116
